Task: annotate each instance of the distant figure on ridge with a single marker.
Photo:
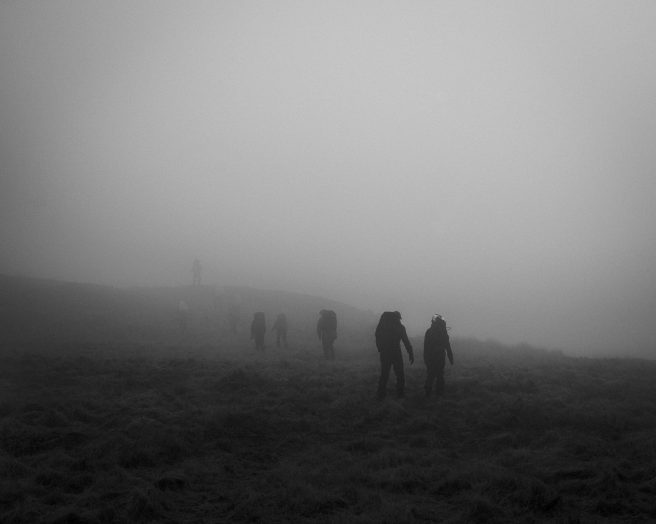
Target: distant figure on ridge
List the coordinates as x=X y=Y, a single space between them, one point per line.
x=327 y=332
x=436 y=345
x=258 y=327
x=389 y=334
x=196 y=270
x=280 y=327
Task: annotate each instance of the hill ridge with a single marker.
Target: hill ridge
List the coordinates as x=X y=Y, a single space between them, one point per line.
x=40 y=312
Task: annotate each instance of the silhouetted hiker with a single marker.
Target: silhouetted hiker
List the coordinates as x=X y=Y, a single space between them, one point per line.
x=183 y=315
x=327 y=332
x=196 y=270
x=258 y=327
x=280 y=327
x=389 y=334
x=436 y=345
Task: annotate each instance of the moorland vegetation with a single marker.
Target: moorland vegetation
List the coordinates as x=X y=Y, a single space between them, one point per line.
x=206 y=429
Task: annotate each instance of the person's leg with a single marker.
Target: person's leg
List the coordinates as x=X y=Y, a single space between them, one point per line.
x=385 y=365
x=439 y=374
x=439 y=385
x=400 y=376
x=430 y=378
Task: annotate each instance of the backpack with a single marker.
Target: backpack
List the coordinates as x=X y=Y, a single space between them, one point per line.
x=330 y=320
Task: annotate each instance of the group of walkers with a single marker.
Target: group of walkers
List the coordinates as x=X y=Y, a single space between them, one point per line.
x=258 y=328
x=390 y=332
x=326 y=331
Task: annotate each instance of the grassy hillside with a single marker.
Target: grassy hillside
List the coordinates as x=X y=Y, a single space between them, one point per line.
x=207 y=430
x=519 y=436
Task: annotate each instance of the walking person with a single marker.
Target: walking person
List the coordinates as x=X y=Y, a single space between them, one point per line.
x=436 y=347
x=389 y=334
x=327 y=332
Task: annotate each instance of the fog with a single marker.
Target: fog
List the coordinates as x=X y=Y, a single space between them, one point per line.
x=493 y=162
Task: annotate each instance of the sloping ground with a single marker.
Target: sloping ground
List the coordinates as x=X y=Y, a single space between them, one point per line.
x=521 y=436
x=44 y=315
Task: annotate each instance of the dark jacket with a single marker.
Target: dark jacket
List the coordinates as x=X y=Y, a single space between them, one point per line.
x=327 y=324
x=390 y=332
x=436 y=342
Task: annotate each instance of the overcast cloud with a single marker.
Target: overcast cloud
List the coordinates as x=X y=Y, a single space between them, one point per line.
x=493 y=162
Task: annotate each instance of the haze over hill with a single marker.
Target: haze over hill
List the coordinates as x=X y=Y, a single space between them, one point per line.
x=491 y=162
x=53 y=317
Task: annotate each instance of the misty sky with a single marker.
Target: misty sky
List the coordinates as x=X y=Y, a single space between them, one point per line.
x=491 y=161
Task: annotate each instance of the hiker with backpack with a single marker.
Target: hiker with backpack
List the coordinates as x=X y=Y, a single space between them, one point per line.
x=389 y=335
x=258 y=328
x=327 y=332
x=436 y=347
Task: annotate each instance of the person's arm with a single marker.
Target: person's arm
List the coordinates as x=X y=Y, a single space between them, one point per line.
x=449 y=353
x=406 y=343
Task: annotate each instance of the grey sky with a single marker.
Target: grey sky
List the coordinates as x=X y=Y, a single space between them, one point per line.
x=493 y=161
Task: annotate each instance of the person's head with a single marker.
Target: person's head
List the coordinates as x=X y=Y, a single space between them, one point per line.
x=437 y=319
x=390 y=317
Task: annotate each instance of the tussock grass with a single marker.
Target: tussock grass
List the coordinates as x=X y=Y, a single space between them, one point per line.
x=521 y=436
